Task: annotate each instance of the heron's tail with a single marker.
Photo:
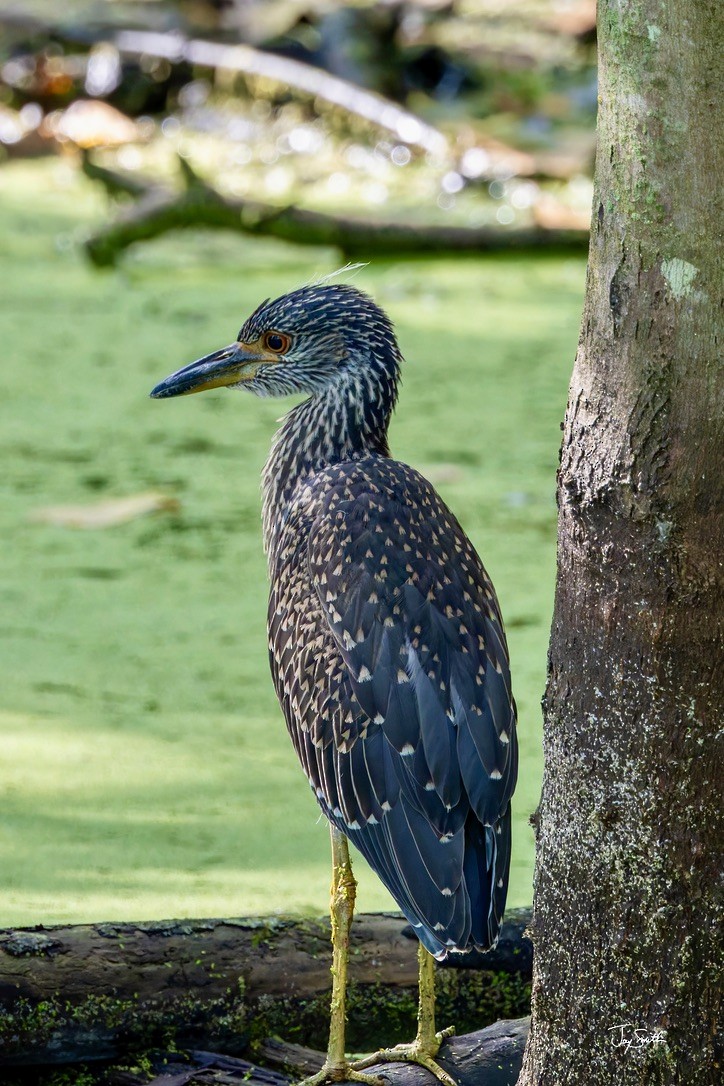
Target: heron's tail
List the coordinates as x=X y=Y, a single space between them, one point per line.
x=487 y=869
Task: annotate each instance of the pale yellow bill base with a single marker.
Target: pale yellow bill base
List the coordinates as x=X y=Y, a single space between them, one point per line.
x=224 y=367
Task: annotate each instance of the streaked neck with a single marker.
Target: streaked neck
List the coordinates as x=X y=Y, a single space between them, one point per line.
x=345 y=421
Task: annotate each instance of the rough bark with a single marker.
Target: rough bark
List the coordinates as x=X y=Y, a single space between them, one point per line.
x=95 y=991
x=628 y=919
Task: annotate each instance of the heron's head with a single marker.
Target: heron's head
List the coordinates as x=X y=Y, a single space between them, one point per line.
x=301 y=342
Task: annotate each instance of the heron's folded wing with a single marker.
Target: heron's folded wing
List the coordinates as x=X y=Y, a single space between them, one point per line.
x=417 y=625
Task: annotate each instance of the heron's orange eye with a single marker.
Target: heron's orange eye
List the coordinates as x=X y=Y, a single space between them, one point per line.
x=276 y=342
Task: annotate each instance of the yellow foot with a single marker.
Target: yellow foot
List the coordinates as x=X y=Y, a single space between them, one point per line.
x=414 y=1052
x=345 y=1073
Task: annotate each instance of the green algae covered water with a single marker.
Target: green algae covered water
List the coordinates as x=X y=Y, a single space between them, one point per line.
x=146 y=768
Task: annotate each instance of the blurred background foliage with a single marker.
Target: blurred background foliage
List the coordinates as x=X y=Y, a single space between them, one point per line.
x=146 y=771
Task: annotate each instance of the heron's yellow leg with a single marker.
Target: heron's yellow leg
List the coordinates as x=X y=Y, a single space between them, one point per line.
x=344 y=888
x=427 y=1043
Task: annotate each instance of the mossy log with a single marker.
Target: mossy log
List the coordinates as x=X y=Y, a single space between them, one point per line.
x=157 y=210
x=88 y=992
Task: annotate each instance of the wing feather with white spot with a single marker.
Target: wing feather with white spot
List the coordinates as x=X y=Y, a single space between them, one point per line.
x=416 y=621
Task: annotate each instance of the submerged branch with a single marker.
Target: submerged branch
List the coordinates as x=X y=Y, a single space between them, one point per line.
x=159 y=210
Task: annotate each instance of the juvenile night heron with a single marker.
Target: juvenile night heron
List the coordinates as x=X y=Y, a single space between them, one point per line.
x=385 y=637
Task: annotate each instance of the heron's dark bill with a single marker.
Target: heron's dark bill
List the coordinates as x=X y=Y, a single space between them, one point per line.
x=225 y=367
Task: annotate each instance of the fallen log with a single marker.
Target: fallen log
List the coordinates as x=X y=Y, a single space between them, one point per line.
x=488 y=1057
x=158 y=210
x=87 y=992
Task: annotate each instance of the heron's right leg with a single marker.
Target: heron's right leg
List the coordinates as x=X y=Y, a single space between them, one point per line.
x=344 y=888
x=426 y=1045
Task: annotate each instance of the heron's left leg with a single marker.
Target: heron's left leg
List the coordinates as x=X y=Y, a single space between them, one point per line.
x=426 y=1045
x=344 y=888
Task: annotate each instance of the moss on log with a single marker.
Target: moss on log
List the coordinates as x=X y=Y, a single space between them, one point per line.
x=88 y=992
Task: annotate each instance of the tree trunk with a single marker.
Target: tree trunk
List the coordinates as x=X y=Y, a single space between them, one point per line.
x=628 y=922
